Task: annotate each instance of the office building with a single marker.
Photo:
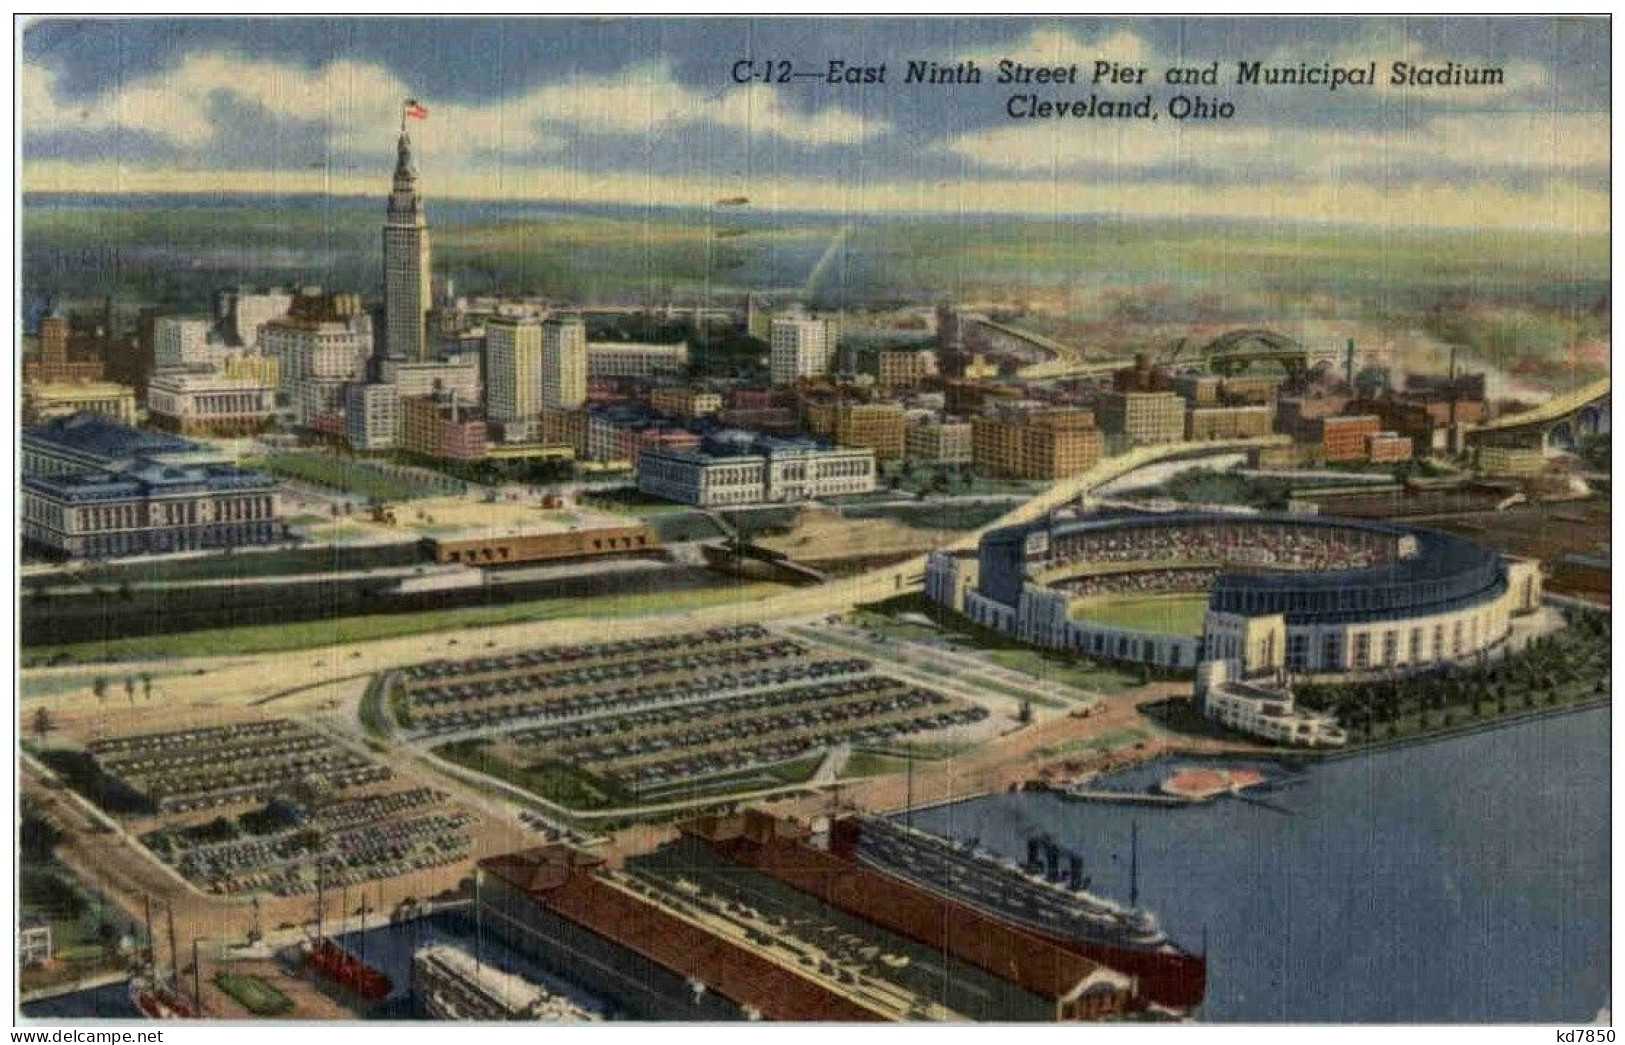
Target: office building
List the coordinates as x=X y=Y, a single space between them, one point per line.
x=687 y=403
x=1141 y=418
x=54 y=363
x=1345 y=436
x=1387 y=448
x=564 y=363
x=372 y=416
x=406 y=263
x=636 y=359
x=513 y=369
x=800 y=349
x=1015 y=443
x=939 y=442
x=441 y=427
x=1228 y=422
x=321 y=345
x=905 y=368
x=186 y=341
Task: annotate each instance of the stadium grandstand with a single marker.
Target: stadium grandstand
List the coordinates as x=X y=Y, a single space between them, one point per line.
x=1301 y=595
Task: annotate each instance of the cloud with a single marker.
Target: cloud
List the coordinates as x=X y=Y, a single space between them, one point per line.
x=358 y=103
x=1052 y=46
x=1444 y=147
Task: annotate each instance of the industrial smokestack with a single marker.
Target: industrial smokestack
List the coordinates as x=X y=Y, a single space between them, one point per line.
x=1074 y=868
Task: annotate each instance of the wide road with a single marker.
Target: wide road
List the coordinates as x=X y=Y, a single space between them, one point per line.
x=249 y=677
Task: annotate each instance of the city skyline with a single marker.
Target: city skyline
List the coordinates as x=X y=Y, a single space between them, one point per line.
x=647 y=113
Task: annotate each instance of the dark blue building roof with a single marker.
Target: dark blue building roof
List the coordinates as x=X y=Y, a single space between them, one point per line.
x=96 y=436
x=1446 y=573
x=146 y=481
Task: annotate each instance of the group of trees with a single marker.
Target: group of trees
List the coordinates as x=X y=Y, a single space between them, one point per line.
x=1565 y=666
x=100 y=684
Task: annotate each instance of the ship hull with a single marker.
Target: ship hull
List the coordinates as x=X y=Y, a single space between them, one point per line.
x=1164 y=974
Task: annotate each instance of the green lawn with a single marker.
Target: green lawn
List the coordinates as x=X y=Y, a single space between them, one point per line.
x=1066 y=669
x=1162 y=614
x=254 y=994
x=784 y=774
x=555 y=781
x=869 y=763
x=1115 y=738
x=274 y=638
x=362 y=477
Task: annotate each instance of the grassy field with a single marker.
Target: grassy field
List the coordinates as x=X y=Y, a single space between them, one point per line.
x=254 y=994
x=317 y=634
x=1113 y=739
x=1163 y=614
x=557 y=782
x=987 y=644
x=360 y=477
x=784 y=774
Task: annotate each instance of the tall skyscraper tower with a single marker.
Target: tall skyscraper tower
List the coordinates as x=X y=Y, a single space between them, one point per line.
x=513 y=368
x=564 y=363
x=406 y=264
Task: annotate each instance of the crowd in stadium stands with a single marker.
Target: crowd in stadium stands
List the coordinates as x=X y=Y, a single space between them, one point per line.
x=1149 y=582
x=1264 y=546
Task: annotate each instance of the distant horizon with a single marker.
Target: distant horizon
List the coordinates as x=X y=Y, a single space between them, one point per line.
x=747 y=214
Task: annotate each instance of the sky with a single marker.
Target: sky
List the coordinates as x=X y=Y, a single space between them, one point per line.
x=645 y=112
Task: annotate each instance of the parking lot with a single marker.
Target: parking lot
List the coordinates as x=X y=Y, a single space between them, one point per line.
x=272 y=806
x=645 y=714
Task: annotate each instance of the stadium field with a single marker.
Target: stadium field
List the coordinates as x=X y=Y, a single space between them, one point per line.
x=1164 y=614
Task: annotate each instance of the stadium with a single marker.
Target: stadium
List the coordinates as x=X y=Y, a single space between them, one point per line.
x=1315 y=596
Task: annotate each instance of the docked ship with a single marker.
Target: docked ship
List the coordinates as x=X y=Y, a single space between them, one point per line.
x=332 y=962
x=157 y=999
x=450 y=984
x=1048 y=896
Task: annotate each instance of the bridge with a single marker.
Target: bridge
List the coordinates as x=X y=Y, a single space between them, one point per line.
x=1555 y=425
x=1062 y=360
x=1235 y=350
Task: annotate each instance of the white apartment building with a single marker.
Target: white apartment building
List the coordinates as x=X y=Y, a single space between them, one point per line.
x=801 y=348
x=316 y=359
x=564 y=363
x=513 y=369
x=372 y=416
x=635 y=359
x=458 y=373
x=184 y=341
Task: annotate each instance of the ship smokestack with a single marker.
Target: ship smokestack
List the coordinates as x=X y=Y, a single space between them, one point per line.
x=1052 y=861
x=1034 y=845
x=1074 y=868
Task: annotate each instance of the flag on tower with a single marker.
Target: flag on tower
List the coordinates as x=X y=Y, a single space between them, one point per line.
x=416 y=110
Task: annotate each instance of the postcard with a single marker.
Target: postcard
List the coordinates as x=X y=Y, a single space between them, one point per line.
x=886 y=519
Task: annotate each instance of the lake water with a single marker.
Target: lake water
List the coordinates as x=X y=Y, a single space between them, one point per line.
x=1461 y=880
